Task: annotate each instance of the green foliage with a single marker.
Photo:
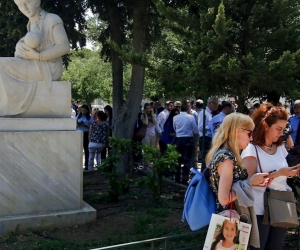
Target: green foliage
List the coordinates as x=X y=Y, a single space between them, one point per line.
x=118 y=184
x=241 y=48
x=90 y=76
x=94 y=26
x=160 y=165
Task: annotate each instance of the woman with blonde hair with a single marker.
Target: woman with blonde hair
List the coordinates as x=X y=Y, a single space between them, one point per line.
x=224 y=160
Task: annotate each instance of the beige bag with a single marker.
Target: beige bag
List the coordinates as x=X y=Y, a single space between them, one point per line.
x=280 y=207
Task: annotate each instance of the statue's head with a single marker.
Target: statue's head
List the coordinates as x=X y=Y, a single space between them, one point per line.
x=29 y=8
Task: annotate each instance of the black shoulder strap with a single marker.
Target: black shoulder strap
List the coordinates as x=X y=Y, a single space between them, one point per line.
x=258 y=158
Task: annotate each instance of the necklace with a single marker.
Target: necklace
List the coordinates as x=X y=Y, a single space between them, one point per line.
x=270 y=148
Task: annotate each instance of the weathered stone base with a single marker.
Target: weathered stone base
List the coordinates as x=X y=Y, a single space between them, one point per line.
x=41 y=181
x=25 y=223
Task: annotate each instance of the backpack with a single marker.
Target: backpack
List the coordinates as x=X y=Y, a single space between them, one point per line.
x=199 y=202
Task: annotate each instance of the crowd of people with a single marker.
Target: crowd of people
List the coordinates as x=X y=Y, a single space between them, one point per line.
x=96 y=128
x=231 y=143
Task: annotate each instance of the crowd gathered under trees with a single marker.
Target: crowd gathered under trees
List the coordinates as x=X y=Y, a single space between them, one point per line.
x=159 y=48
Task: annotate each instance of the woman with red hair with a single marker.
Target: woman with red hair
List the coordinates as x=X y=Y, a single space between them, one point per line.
x=270 y=122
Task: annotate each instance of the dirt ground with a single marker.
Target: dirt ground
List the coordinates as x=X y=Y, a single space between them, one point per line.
x=115 y=221
x=135 y=217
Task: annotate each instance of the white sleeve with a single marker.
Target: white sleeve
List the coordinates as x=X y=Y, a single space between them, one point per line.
x=200 y=121
x=283 y=150
x=157 y=125
x=249 y=151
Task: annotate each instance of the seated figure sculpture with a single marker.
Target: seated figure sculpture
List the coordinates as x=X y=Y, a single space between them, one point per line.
x=32 y=40
x=37 y=59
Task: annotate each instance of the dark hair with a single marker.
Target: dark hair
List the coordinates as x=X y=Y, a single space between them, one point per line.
x=183 y=108
x=110 y=114
x=199 y=105
x=146 y=105
x=171 y=116
x=246 y=110
x=88 y=114
x=265 y=116
x=160 y=109
x=168 y=103
x=226 y=105
x=220 y=236
x=102 y=116
x=256 y=105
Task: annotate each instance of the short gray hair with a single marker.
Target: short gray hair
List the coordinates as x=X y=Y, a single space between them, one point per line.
x=296 y=103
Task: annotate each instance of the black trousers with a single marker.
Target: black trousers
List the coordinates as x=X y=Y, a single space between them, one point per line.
x=104 y=153
x=86 y=148
x=163 y=147
x=271 y=238
x=184 y=146
x=204 y=149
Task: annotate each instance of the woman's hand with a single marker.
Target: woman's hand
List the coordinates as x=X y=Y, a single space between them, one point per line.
x=260 y=179
x=25 y=52
x=288 y=172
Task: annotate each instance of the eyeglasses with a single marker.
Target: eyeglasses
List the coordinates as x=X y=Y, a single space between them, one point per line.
x=178 y=107
x=251 y=132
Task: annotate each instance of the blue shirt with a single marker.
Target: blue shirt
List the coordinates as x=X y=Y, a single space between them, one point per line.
x=294 y=123
x=207 y=121
x=215 y=122
x=168 y=129
x=87 y=122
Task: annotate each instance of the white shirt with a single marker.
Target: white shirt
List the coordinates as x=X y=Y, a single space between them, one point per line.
x=150 y=128
x=73 y=113
x=207 y=121
x=184 y=125
x=196 y=115
x=268 y=164
x=161 y=120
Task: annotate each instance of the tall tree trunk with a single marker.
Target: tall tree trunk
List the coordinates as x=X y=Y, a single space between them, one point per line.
x=125 y=118
x=117 y=64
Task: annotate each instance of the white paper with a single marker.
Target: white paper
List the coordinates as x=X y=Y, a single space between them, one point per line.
x=240 y=241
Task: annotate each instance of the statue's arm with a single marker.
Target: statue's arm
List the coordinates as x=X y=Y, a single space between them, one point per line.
x=61 y=42
x=19 y=43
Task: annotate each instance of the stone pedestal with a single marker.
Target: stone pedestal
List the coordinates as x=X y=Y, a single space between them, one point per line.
x=37 y=124
x=41 y=178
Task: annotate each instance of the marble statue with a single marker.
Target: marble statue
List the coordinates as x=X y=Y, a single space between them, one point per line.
x=32 y=40
x=37 y=59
